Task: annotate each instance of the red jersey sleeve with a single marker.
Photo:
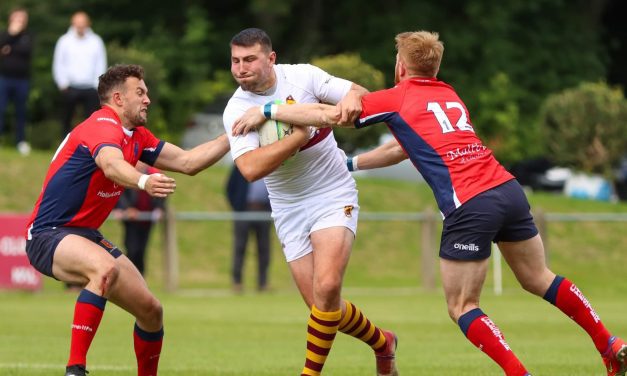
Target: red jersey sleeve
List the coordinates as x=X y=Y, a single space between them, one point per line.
x=150 y=146
x=378 y=107
x=101 y=135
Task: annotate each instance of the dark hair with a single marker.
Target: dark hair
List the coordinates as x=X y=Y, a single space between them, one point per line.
x=116 y=76
x=251 y=36
x=17 y=9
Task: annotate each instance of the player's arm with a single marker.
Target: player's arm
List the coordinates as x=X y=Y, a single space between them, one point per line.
x=384 y=155
x=350 y=106
x=191 y=162
x=111 y=161
x=260 y=162
x=303 y=114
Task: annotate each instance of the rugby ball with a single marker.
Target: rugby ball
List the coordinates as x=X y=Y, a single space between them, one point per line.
x=272 y=131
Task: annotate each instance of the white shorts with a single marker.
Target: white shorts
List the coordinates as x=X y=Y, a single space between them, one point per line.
x=295 y=223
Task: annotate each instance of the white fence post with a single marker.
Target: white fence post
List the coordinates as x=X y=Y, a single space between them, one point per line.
x=428 y=262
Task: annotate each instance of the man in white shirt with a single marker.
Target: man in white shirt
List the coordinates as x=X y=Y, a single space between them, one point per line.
x=79 y=59
x=313 y=195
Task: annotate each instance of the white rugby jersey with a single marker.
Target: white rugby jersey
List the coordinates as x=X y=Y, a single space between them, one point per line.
x=320 y=166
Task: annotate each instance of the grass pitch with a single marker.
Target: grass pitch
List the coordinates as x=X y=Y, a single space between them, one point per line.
x=212 y=332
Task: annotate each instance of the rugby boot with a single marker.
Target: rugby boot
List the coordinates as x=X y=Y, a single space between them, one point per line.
x=615 y=357
x=386 y=358
x=76 y=370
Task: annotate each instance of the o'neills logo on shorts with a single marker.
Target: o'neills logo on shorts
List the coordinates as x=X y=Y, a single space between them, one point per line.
x=466 y=247
x=348 y=210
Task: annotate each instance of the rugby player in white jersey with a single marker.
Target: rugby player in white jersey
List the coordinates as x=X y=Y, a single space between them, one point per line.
x=313 y=195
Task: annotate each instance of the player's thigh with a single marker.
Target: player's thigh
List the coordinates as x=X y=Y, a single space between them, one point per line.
x=527 y=260
x=77 y=259
x=131 y=293
x=331 y=250
x=302 y=273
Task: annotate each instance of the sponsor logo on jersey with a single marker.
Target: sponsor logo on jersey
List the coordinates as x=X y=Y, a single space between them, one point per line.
x=472 y=247
x=109 y=194
x=348 y=210
x=467 y=153
x=107 y=119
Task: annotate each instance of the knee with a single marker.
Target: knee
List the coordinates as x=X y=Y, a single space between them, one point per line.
x=329 y=288
x=106 y=275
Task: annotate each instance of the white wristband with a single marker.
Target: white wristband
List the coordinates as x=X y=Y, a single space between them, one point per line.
x=355 y=166
x=273 y=109
x=142 y=181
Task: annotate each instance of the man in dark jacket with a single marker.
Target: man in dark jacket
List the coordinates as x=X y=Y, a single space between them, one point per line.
x=247 y=197
x=15 y=59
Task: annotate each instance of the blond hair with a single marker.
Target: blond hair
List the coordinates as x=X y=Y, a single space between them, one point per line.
x=420 y=51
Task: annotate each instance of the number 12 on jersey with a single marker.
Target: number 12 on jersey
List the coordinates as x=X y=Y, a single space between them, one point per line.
x=462 y=124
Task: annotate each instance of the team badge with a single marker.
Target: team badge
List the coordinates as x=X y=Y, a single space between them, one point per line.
x=348 y=211
x=106 y=244
x=290 y=99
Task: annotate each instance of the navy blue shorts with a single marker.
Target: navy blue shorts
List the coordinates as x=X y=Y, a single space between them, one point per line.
x=499 y=214
x=42 y=245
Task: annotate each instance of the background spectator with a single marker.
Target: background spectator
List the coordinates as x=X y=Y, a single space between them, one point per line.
x=16 y=45
x=249 y=197
x=80 y=58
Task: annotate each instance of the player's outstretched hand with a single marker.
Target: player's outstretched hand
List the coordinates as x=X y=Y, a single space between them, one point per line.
x=349 y=107
x=250 y=121
x=159 y=185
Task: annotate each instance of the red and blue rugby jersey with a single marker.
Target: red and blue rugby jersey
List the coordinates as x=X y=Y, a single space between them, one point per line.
x=76 y=193
x=432 y=125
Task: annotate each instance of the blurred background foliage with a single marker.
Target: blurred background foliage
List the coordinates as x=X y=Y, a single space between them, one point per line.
x=503 y=58
x=586 y=127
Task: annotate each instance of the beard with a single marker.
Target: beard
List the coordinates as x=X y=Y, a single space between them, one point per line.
x=251 y=86
x=137 y=119
x=259 y=83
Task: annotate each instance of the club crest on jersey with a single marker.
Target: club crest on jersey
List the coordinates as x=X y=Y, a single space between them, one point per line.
x=348 y=210
x=290 y=99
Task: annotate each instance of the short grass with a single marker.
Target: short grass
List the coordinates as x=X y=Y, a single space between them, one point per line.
x=215 y=333
x=211 y=332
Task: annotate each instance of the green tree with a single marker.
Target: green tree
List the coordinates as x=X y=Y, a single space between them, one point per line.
x=351 y=67
x=498 y=118
x=585 y=127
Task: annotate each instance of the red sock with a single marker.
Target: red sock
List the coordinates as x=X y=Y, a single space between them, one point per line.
x=87 y=315
x=147 y=350
x=485 y=335
x=570 y=300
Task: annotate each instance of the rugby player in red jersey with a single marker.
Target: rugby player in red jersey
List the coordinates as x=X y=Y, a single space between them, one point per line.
x=86 y=177
x=480 y=201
